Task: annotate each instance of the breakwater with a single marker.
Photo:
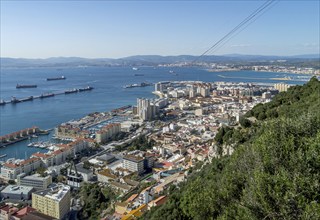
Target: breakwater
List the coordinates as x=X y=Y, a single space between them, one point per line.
x=15 y=100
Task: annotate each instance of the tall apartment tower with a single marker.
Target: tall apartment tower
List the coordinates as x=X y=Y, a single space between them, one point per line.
x=146 y=110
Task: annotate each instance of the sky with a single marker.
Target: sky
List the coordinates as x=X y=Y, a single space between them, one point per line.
x=114 y=29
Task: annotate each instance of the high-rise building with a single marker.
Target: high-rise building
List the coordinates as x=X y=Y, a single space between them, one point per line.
x=138 y=163
x=134 y=163
x=146 y=110
x=54 y=202
x=204 y=91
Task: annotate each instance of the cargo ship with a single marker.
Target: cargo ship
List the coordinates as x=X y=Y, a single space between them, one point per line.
x=85 y=89
x=138 y=74
x=46 y=95
x=57 y=78
x=71 y=91
x=18 y=86
x=143 y=84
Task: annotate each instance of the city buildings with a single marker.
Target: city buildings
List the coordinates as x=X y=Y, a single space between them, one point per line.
x=54 y=202
x=134 y=163
x=146 y=109
x=11 y=169
x=17 y=192
x=282 y=87
x=35 y=181
x=107 y=132
x=138 y=163
x=10 y=212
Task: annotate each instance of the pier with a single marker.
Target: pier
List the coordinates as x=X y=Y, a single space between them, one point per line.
x=14 y=100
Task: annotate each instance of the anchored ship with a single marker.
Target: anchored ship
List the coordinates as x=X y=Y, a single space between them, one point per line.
x=85 y=89
x=57 y=78
x=143 y=84
x=18 y=86
x=71 y=91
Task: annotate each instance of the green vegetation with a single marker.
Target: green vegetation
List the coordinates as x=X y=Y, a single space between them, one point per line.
x=12 y=182
x=42 y=171
x=140 y=143
x=87 y=165
x=273 y=172
x=298 y=100
x=119 y=136
x=95 y=199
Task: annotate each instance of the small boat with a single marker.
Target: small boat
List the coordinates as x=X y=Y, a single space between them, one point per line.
x=3 y=155
x=2 y=102
x=135 y=68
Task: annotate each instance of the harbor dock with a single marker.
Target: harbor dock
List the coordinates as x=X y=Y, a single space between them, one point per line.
x=15 y=100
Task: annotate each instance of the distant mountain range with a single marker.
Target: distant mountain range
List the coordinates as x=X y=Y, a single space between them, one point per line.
x=141 y=60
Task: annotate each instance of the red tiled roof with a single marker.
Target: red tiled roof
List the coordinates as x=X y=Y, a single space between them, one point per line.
x=10 y=165
x=28 y=161
x=42 y=155
x=24 y=211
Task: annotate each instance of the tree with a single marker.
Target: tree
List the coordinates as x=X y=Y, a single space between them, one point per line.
x=87 y=165
x=42 y=171
x=244 y=122
x=94 y=199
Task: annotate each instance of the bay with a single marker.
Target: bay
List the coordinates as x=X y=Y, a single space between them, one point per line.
x=108 y=93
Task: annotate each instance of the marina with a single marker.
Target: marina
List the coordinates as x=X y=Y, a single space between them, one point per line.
x=42 y=144
x=21 y=135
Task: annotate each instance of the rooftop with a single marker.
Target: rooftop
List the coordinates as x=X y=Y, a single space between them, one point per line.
x=12 y=189
x=107 y=173
x=56 y=193
x=133 y=158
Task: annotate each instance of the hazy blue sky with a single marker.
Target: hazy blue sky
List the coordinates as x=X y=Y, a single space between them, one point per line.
x=40 y=29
